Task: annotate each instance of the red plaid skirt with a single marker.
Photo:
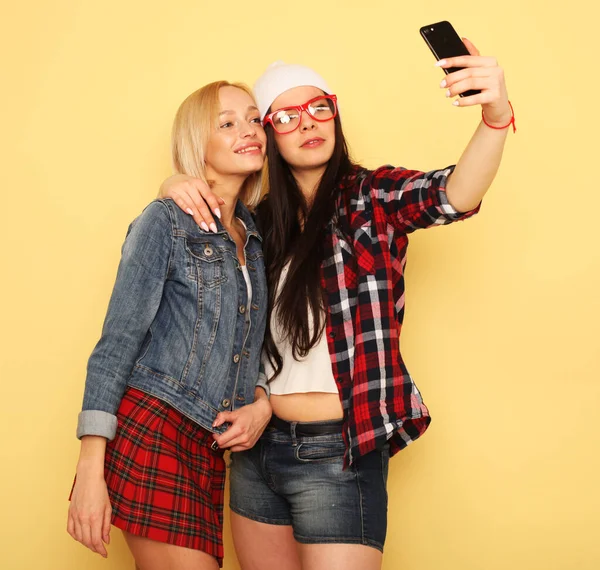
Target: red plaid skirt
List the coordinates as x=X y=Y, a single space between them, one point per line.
x=164 y=481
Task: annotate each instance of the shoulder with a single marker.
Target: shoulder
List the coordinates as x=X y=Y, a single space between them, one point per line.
x=156 y=217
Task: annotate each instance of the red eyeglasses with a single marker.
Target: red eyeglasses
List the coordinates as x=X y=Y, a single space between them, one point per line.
x=287 y=120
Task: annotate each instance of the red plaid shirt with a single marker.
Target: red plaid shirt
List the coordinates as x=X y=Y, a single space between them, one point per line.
x=363 y=277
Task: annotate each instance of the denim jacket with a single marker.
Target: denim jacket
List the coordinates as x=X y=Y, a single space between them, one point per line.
x=178 y=326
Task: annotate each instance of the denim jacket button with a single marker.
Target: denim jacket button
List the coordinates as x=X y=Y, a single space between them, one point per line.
x=225 y=403
x=242 y=309
x=236 y=358
x=208 y=250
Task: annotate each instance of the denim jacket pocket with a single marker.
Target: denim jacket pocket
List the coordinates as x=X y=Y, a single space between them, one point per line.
x=205 y=263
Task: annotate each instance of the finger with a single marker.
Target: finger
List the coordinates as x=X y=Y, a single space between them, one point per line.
x=71 y=526
x=185 y=203
x=467 y=61
x=87 y=536
x=479 y=99
x=96 y=536
x=211 y=198
x=462 y=74
x=223 y=417
x=470 y=46
x=239 y=443
x=78 y=536
x=225 y=439
x=204 y=211
x=106 y=525
x=196 y=201
x=465 y=85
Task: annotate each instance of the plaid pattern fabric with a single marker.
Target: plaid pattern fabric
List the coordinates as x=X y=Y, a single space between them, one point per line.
x=363 y=279
x=164 y=481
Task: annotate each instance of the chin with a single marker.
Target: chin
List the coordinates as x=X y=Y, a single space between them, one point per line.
x=317 y=161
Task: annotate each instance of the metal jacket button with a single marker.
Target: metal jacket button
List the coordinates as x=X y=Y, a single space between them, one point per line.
x=225 y=403
x=208 y=250
x=236 y=358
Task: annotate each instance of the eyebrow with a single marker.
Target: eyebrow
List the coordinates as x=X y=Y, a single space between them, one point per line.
x=230 y=112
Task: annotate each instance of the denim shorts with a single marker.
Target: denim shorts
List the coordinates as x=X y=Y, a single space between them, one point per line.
x=287 y=479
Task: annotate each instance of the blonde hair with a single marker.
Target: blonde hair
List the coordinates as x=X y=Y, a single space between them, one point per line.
x=196 y=118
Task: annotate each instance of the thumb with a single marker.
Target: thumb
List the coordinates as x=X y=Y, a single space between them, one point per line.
x=470 y=46
x=223 y=417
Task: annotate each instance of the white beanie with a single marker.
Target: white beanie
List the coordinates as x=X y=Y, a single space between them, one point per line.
x=279 y=77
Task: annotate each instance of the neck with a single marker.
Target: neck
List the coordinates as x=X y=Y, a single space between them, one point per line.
x=308 y=181
x=227 y=188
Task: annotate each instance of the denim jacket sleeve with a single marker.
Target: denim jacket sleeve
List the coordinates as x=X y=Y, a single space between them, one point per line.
x=143 y=270
x=262 y=380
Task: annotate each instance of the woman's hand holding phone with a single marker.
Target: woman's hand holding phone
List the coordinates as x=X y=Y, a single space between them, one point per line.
x=478 y=73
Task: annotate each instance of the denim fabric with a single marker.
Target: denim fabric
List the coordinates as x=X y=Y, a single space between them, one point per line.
x=300 y=481
x=178 y=326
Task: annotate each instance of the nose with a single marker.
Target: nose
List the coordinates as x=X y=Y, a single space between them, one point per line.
x=307 y=123
x=248 y=130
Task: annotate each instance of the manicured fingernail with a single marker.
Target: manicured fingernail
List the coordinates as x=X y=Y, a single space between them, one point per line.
x=218 y=213
x=456 y=103
x=204 y=226
x=213 y=227
x=443 y=83
x=189 y=211
x=448 y=94
x=440 y=63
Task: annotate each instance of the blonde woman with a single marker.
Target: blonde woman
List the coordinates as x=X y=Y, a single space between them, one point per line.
x=179 y=354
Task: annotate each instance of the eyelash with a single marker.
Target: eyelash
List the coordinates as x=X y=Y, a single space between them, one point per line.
x=256 y=120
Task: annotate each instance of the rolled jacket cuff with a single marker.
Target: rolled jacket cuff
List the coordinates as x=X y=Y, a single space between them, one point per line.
x=96 y=422
x=262 y=383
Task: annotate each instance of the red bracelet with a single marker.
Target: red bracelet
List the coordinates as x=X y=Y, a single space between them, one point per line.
x=511 y=122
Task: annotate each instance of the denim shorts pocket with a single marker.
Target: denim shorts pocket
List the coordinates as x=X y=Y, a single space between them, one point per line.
x=320 y=452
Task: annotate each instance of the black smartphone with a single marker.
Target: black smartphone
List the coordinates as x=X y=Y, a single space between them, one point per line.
x=444 y=42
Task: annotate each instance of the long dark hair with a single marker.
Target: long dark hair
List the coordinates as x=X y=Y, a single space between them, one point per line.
x=286 y=239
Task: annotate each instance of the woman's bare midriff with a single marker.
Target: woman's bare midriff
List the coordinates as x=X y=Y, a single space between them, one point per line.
x=310 y=407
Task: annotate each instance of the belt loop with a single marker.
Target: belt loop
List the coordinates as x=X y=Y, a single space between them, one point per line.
x=293 y=433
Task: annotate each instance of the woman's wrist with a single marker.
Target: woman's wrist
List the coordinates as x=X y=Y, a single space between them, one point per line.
x=499 y=120
x=262 y=402
x=90 y=467
x=91 y=456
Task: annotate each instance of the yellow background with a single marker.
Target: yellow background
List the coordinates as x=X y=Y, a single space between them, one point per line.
x=502 y=321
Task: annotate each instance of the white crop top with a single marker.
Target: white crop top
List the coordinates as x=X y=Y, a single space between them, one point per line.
x=310 y=374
